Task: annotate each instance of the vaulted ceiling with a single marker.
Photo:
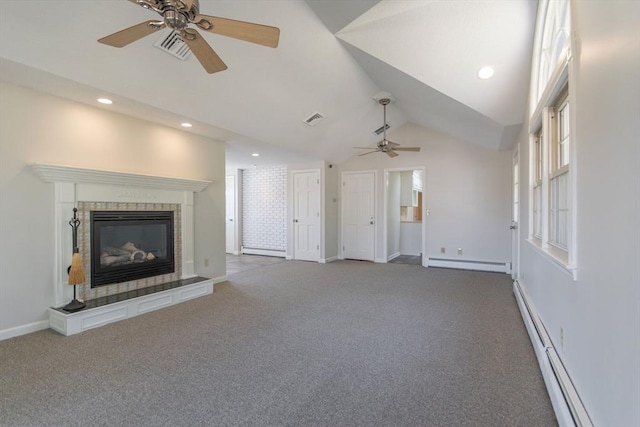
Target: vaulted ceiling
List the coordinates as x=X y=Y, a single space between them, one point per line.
x=333 y=58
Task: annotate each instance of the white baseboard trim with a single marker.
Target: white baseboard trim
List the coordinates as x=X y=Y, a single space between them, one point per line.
x=328 y=260
x=266 y=252
x=568 y=407
x=380 y=261
x=497 y=267
x=393 y=256
x=23 y=329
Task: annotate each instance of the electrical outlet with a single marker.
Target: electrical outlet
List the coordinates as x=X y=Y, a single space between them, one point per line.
x=206 y=262
x=459 y=251
x=443 y=250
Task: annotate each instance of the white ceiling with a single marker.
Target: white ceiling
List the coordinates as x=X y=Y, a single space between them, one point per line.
x=333 y=57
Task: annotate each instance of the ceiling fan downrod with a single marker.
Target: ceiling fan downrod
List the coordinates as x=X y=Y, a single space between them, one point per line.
x=384 y=102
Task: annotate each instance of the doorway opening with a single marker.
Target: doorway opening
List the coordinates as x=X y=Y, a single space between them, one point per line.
x=405 y=214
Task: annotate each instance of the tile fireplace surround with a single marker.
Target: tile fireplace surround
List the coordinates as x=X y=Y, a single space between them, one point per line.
x=91 y=189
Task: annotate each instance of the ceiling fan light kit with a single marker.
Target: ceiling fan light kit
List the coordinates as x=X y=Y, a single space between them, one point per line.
x=385 y=146
x=178 y=14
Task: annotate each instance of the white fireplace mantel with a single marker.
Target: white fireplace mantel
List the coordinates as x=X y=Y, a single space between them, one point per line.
x=74 y=184
x=72 y=174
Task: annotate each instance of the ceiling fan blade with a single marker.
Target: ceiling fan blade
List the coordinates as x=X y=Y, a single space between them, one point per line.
x=247 y=31
x=370 y=152
x=392 y=144
x=364 y=148
x=391 y=153
x=203 y=52
x=131 y=34
x=406 y=148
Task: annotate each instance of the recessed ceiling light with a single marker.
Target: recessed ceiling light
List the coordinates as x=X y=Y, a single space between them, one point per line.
x=105 y=101
x=255 y=154
x=186 y=125
x=486 y=72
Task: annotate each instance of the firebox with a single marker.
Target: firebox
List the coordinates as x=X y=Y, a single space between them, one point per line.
x=130 y=245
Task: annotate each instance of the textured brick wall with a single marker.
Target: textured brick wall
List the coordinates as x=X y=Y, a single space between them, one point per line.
x=264 y=215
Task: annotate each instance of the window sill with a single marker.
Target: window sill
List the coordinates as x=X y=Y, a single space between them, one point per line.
x=556 y=257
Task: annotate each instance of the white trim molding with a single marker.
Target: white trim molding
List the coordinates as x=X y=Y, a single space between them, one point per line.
x=265 y=252
x=23 y=329
x=497 y=267
x=62 y=173
x=565 y=400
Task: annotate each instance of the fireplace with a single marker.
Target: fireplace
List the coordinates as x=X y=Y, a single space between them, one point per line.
x=130 y=245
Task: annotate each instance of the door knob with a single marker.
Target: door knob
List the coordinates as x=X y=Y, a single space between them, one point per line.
x=295 y=220
x=371 y=223
x=513 y=227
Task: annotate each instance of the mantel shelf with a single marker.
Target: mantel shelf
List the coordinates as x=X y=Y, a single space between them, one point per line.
x=61 y=173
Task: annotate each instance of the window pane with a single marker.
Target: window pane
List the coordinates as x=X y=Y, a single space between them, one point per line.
x=559 y=210
x=563 y=135
x=537 y=217
x=555 y=36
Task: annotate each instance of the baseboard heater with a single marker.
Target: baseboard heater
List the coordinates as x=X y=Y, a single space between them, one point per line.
x=266 y=252
x=564 y=397
x=498 y=267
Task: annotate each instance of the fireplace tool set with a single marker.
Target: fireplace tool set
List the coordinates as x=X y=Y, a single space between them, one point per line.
x=75 y=270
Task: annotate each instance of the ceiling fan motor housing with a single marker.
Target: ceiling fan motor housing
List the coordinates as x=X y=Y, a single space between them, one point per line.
x=175 y=20
x=176 y=16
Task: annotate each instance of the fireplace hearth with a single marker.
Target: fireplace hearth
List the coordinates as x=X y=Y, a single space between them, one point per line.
x=130 y=245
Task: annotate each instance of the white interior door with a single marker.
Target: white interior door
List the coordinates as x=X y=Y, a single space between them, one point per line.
x=306 y=216
x=358 y=216
x=515 y=217
x=230 y=213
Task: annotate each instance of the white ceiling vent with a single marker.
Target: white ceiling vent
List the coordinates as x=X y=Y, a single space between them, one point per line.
x=172 y=44
x=381 y=129
x=314 y=119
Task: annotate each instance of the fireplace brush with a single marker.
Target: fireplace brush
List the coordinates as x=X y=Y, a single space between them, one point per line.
x=76 y=271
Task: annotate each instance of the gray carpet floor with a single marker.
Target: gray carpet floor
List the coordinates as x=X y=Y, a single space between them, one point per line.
x=293 y=344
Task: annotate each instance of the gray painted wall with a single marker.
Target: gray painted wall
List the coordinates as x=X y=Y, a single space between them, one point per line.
x=599 y=312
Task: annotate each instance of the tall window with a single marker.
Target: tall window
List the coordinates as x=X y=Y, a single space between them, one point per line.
x=559 y=176
x=552 y=205
x=537 y=185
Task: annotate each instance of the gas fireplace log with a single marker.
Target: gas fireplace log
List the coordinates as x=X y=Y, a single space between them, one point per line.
x=126 y=254
x=114 y=259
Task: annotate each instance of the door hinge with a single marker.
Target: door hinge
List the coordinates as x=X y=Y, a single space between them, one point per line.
x=318 y=181
x=318 y=246
x=343 y=183
x=343 y=248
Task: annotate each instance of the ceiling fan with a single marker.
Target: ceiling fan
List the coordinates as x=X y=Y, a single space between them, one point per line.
x=386 y=146
x=178 y=14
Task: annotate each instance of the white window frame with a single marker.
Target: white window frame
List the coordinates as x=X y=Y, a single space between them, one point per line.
x=546 y=99
x=559 y=177
x=537 y=153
